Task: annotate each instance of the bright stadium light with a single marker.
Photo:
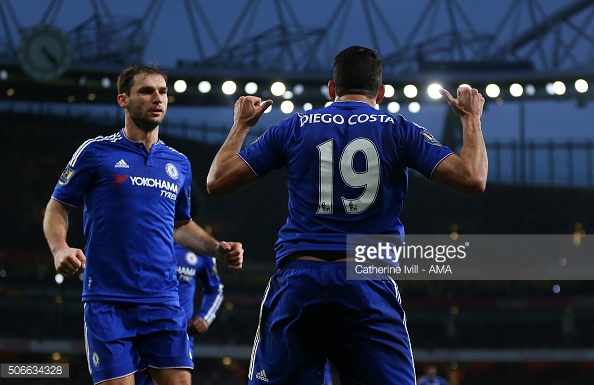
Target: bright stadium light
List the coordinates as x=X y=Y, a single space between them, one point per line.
x=180 y=86
x=329 y=102
x=268 y=109
x=464 y=85
x=581 y=86
x=287 y=106
x=393 y=107
x=324 y=90
x=288 y=95
x=251 y=88
x=229 y=87
x=530 y=90
x=492 y=90
x=278 y=88
x=516 y=90
x=559 y=88
x=105 y=82
x=204 y=87
x=414 y=107
x=433 y=91
x=3 y=74
x=389 y=91
x=549 y=88
x=298 y=89
x=59 y=279
x=307 y=106
x=410 y=91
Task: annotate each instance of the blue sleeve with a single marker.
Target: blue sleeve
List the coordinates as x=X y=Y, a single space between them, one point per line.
x=77 y=176
x=212 y=288
x=268 y=151
x=421 y=150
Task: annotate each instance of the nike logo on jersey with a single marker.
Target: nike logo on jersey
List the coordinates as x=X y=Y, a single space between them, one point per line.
x=122 y=164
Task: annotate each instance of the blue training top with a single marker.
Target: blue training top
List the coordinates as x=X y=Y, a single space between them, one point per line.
x=131 y=200
x=347 y=168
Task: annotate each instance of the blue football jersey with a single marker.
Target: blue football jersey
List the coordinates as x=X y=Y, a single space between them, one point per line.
x=347 y=168
x=190 y=268
x=131 y=200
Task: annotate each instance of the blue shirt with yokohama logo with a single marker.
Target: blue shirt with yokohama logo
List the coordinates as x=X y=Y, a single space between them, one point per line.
x=347 y=169
x=131 y=200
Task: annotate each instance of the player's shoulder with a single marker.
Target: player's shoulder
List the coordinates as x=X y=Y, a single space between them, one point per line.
x=172 y=151
x=95 y=145
x=101 y=141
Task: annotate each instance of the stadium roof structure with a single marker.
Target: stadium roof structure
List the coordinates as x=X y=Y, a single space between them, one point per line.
x=530 y=52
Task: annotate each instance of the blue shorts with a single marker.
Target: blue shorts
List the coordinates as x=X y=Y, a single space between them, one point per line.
x=143 y=377
x=122 y=338
x=311 y=313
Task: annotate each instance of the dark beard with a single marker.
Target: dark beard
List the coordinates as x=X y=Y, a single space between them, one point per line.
x=145 y=125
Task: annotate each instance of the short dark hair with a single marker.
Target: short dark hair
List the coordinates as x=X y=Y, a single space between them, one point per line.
x=357 y=70
x=126 y=78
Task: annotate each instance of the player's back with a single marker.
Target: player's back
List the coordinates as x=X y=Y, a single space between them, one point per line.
x=347 y=168
x=344 y=170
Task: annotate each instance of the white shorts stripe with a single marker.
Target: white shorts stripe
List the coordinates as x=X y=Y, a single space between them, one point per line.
x=257 y=338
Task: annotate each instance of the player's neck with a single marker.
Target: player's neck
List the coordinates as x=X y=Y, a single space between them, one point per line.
x=135 y=134
x=355 y=98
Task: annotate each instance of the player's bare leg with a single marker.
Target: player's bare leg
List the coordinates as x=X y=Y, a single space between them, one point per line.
x=170 y=376
x=128 y=380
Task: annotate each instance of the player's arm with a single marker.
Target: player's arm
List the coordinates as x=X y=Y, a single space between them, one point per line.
x=466 y=172
x=212 y=290
x=67 y=260
x=193 y=237
x=228 y=172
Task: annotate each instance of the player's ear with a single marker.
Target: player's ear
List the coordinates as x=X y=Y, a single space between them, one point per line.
x=332 y=90
x=123 y=100
x=380 y=95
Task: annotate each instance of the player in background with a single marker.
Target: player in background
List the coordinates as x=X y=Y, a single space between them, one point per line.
x=192 y=268
x=347 y=173
x=431 y=377
x=135 y=191
x=328 y=374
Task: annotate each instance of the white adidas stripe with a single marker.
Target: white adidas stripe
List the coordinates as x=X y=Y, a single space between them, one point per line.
x=257 y=338
x=112 y=138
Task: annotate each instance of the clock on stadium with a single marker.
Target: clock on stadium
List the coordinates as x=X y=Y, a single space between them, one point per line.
x=45 y=52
